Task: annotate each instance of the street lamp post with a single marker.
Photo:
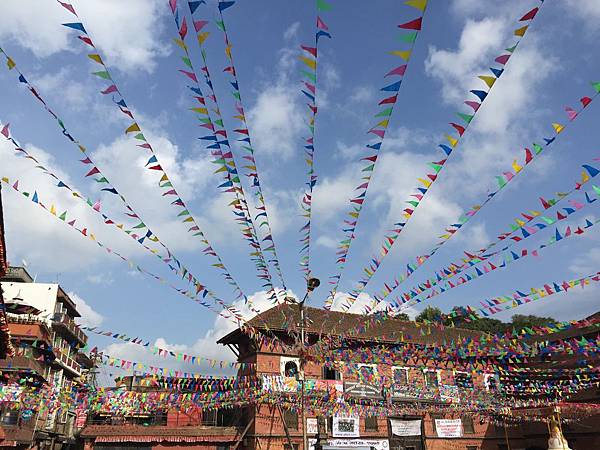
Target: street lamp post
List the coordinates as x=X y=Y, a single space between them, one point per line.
x=311 y=285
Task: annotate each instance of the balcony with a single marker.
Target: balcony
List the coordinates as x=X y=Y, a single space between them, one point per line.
x=61 y=320
x=67 y=362
x=23 y=363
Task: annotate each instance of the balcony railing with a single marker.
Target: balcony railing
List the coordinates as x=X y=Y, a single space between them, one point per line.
x=23 y=363
x=68 y=361
x=61 y=319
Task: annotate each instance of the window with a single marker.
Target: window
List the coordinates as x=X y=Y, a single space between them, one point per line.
x=291 y=369
x=209 y=417
x=463 y=380
x=222 y=447
x=294 y=446
x=400 y=375
x=467 y=423
x=371 y=423
x=331 y=373
x=491 y=382
x=291 y=419
x=472 y=447
x=367 y=373
x=432 y=378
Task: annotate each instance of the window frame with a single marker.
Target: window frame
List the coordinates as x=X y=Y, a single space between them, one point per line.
x=375 y=428
x=486 y=381
x=438 y=376
x=372 y=366
x=405 y=369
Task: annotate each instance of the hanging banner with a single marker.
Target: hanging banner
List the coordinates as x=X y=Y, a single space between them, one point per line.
x=405 y=427
x=449 y=428
x=312 y=425
x=345 y=426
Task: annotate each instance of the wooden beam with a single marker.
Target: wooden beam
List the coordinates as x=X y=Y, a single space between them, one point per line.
x=243 y=434
x=285 y=427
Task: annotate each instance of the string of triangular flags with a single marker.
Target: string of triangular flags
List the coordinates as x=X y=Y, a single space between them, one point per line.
x=455 y=269
x=153 y=163
x=391 y=238
x=387 y=105
x=244 y=137
x=310 y=57
x=220 y=148
x=507 y=177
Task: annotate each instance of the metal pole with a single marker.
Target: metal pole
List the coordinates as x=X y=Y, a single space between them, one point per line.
x=302 y=363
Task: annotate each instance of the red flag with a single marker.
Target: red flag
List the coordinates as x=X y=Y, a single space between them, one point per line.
x=412 y=25
x=530 y=15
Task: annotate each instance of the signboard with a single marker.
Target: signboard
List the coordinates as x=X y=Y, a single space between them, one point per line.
x=312 y=426
x=448 y=428
x=379 y=444
x=406 y=427
x=345 y=427
x=357 y=389
x=277 y=383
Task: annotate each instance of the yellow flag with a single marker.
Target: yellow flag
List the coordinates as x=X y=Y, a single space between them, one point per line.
x=426 y=183
x=200 y=110
x=95 y=57
x=521 y=31
x=133 y=127
x=180 y=43
x=402 y=54
x=383 y=123
x=557 y=127
x=5 y=179
x=309 y=62
x=10 y=63
x=202 y=37
x=488 y=80
x=520 y=222
x=584 y=177
x=52 y=210
x=228 y=51
x=419 y=4
x=453 y=141
x=516 y=167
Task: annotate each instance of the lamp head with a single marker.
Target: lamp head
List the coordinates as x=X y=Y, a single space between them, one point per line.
x=312 y=284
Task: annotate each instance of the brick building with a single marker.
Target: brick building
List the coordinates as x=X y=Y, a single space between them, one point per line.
x=270 y=425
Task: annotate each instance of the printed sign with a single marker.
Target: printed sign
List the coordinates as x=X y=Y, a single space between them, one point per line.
x=378 y=444
x=448 y=428
x=356 y=389
x=345 y=427
x=406 y=427
x=312 y=426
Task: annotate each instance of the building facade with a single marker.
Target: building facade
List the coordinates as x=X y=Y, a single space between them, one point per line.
x=400 y=386
x=41 y=319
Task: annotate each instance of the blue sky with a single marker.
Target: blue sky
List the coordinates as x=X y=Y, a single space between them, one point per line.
x=551 y=69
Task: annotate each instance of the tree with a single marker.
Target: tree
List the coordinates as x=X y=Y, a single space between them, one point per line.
x=520 y=321
x=431 y=314
x=402 y=316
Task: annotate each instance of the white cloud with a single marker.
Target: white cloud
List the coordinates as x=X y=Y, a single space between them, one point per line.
x=100 y=278
x=32 y=233
x=276 y=121
x=362 y=94
x=74 y=95
x=586 y=263
x=292 y=32
x=126 y=32
x=89 y=317
x=588 y=11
